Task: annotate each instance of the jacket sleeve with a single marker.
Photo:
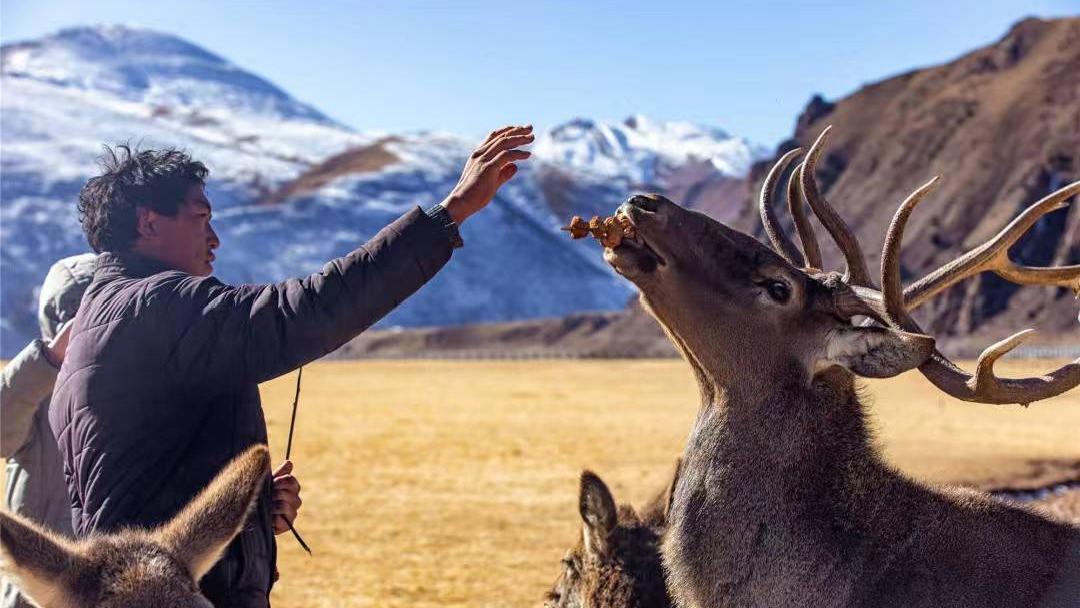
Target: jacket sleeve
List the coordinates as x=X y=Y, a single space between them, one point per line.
x=254 y=333
x=24 y=383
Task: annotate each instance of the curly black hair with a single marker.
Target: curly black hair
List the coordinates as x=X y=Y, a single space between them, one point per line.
x=155 y=179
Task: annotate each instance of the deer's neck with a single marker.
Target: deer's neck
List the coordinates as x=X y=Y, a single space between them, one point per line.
x=766 y=467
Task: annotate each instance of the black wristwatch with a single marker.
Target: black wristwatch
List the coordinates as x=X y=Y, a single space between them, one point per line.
x=442 y=217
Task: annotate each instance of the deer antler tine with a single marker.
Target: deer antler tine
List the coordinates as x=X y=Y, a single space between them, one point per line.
x=780 y=241
x=892 y=307
x=892 y=291
x=1059 y=276
x=985 y=387
x=984 y=369
x=856 y=273
x=993 y=255
x=796 y=205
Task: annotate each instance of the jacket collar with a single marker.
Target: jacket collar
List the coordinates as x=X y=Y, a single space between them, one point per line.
x=129 y=264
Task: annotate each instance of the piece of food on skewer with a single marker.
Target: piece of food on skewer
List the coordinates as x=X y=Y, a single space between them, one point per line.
x=578 y=228
x=610 y=231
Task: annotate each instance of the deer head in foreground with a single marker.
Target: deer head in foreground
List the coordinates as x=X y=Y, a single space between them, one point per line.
x=783 y=499
x=136 y=568
x=616 y=562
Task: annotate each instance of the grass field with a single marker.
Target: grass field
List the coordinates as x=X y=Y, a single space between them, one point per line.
x=455 y=483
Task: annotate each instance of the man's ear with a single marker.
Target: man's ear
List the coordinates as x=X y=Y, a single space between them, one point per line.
x=145 y=222
x=199 y=534
x=39 y=561
x=597 y=508
x=875 y=352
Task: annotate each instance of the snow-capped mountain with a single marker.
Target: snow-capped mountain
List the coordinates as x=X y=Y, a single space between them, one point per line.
x=643 y=150
x=293 y=188
x=140 y=66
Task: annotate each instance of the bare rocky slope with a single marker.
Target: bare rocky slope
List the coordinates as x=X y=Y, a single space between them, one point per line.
x=1001 y=125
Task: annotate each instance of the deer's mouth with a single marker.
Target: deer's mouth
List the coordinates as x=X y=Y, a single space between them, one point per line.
x=633 y=256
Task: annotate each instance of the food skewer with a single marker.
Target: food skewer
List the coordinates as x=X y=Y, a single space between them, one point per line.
x=610 y=231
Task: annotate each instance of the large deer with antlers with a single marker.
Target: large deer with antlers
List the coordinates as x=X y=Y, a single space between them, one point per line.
x=783 y=499
x=136 y=568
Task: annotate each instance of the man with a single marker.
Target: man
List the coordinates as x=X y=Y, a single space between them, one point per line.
x=35 y=478
x=159 y=387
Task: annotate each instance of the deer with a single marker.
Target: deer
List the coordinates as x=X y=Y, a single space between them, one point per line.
x=783 y=498
x=136 y=568
x=616 y=561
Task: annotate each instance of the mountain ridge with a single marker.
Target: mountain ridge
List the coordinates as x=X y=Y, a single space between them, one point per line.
x=291 y=188
x=1000 y=123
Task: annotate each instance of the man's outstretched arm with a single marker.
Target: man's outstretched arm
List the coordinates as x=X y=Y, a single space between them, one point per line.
x=254 y=333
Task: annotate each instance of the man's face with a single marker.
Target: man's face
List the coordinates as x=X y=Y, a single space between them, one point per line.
x=185 y=242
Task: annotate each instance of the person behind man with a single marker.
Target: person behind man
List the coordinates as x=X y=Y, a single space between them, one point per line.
x=35 y=479
x=159 y=387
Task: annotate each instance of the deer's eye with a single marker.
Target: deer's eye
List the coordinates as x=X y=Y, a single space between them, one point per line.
x=778 y=290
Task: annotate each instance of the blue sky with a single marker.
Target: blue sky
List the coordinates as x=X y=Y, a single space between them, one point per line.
x=466 y=67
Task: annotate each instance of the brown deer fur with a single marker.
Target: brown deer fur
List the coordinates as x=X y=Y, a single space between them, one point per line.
x=783 y=498
x=136 y=568
x=616 y=561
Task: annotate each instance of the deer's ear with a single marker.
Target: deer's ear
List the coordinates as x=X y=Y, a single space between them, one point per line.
x=38 y=560
x=199 y=534
x=597 y=508
x=657 y=510
x=875 y=352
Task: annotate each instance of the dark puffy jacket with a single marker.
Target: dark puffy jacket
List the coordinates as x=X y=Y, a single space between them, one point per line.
x=159 y=387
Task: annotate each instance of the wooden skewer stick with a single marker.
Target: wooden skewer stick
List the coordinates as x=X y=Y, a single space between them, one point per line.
x=610 y=230
x=288 y=452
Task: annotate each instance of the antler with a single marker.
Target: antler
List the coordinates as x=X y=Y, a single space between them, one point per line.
x=891 y=305
x=802 y=185
x=856 y=272
x=984 y=386
x=993 y=255
x=802 y=223
x=781 y=243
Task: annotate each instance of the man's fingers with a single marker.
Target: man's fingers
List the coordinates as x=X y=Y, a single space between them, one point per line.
x=285 y=468
x=287 y=497
x=498 y=132
x=284 y=509
x=280 y=524
x=506 y=173
x=490 y=138
x=483 y=149
x=509 y=156
x=505 y=143
x=287 y=483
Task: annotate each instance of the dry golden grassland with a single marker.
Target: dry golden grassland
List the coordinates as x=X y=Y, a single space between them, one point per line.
x=455 y=483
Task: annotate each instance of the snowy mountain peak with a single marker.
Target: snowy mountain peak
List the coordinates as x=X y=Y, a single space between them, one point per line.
x=641 y=149
x=140 y=65
x=67 y=94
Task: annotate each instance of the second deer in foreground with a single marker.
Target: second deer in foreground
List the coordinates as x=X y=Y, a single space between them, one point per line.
x=783 y=499
x=136 y=568
x=616 y=562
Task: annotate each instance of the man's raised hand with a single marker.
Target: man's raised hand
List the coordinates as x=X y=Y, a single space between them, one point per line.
x=488 y=168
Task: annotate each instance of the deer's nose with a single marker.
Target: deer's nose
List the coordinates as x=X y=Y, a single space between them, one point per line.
x=644 y=202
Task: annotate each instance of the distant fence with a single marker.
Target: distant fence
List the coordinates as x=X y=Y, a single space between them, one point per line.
x=1070 y=351
x=493 y=355
x=1025 y=352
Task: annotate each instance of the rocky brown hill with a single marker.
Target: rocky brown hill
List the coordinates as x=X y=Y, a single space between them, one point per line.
x=1001 y=125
